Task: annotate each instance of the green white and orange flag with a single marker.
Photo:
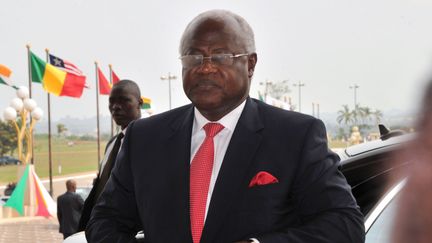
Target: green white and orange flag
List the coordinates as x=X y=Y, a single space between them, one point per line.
x=30 y=190
x=5 y=74
x=146 y=103
x=56 y=80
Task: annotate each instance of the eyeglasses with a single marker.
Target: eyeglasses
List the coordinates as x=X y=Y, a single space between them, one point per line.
x=190 y=61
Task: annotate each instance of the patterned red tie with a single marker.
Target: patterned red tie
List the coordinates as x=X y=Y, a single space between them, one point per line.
x=200 y=174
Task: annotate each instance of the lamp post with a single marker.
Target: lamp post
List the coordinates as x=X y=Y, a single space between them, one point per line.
x=169 y=77
x=23 y=105
x=355 y=87
x=299 y=85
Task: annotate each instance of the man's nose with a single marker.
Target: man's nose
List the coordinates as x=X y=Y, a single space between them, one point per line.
x=207 y=67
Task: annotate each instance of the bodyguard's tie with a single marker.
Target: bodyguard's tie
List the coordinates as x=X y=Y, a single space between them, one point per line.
x=200 y=174
x=106 y=172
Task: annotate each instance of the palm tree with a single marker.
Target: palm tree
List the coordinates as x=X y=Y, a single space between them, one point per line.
x=345 y=115
x=378 y=115
x=365 y=114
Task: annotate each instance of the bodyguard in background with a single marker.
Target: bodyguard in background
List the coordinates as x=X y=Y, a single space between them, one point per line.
x=125 y=106
x=69 y=206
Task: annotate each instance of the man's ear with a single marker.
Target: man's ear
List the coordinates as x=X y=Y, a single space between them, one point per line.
x=140 y=103
x=252 y=60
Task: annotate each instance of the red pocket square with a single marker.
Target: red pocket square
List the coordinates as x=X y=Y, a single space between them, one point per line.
x=263 y=178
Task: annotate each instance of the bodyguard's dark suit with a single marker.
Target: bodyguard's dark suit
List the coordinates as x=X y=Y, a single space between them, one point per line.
x=92 y=197
x=69 y=206
x=149 y=188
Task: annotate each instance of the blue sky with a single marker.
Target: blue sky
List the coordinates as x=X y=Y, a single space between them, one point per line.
x=383 y=46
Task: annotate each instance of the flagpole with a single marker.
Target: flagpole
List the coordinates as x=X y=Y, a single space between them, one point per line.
x=30 y=95
x=111 y=81
x=97 y=112
x=49 y=133
x=29 y=69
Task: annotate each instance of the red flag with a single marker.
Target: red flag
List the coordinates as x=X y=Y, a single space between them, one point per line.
x=115 y=78
x=104 y=85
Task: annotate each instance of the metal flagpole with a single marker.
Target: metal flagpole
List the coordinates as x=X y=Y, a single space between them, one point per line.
x=49 y=133
x=30 y=94
x=111 y=81
x=97 y=113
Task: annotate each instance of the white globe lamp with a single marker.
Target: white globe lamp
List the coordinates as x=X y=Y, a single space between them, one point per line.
x=9 y=114
x=29 y=104
x=37 y=114
x=17 y=104
x=23 y=92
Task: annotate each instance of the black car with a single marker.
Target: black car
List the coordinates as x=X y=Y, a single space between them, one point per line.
x=376 y=178
x=7 y=160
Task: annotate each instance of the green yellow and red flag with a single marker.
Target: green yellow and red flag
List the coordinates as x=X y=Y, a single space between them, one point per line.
x=57 y=78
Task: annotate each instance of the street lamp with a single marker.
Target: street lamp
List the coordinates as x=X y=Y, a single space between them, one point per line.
x=22 y=106
x=169 y=77
x=299 y=85
x=355 y=87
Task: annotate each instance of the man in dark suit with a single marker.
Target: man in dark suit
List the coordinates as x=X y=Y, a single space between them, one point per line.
x=69 y=206
x=226 y=168
x=125 y=106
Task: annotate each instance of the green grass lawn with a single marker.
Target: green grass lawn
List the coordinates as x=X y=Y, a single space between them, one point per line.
x=80 y=157
x=76 y=158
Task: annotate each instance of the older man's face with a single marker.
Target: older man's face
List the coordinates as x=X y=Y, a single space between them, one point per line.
x=216 y=89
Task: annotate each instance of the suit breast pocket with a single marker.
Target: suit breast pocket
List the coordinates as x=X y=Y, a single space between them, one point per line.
x=262 y=198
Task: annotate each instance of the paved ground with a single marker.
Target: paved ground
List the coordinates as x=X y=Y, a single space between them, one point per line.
x=39 y=229
x=29 y=230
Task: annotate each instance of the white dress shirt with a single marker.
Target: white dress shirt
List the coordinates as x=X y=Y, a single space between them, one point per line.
x=221 y=141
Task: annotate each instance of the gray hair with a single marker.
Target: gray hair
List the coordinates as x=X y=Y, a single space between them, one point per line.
x=223 y=16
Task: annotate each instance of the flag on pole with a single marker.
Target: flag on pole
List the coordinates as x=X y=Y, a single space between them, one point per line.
x=59 y=78
x=5 y=74
x=30 y=186
x=104 y=85
x=146 y=103
x=115 y=78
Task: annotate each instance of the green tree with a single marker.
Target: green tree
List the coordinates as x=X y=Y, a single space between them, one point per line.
x=345 y=116
x=8 y=138
x=377 y=115
x=61 y=128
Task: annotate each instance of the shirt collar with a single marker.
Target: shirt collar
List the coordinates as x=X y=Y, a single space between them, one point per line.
x=229 y=121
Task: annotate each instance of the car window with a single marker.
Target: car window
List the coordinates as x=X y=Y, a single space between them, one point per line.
x=381 y=229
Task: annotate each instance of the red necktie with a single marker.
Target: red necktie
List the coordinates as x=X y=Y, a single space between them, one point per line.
x=200 y=174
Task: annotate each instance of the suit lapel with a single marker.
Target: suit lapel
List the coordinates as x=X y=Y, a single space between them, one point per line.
x=244 y=142
x=178 y=148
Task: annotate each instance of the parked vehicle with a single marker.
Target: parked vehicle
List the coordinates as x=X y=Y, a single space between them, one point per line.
x=377 y=178
x=84 y=191
x=8 y=160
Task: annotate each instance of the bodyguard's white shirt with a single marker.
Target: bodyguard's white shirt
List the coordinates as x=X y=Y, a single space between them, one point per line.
x=108 y=151
x=221 y=141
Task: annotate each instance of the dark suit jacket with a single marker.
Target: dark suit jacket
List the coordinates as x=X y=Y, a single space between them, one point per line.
x=69 y=206
x=149 y=189
x=91 y=198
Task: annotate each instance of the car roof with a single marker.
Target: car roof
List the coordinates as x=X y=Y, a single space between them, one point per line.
x=370 y=168
x=378 y=145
